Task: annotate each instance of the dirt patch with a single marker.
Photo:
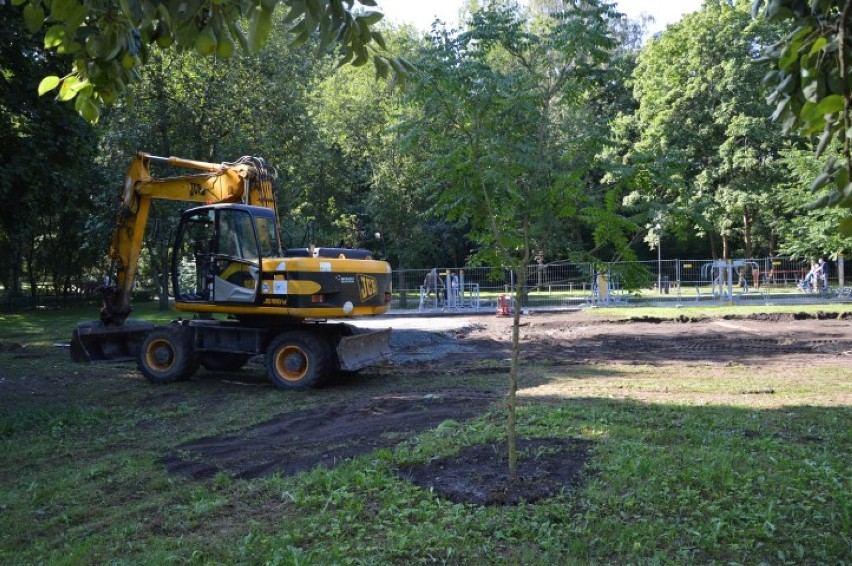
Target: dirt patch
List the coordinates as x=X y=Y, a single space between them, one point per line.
x=297 y=442
x=480 y=474
x=796 y=339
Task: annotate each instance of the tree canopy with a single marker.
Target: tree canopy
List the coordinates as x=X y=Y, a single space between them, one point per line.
x=109 y=42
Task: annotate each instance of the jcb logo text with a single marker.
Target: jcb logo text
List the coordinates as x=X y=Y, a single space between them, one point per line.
x=368 y=287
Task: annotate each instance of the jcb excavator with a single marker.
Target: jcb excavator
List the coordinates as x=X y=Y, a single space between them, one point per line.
x=227 y=260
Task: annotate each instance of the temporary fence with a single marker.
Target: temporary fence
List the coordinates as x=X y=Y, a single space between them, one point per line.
x=565 y=284
x=668 y=282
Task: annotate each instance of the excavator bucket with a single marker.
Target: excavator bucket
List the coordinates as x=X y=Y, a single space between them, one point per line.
x=363 y=349
x=92 y=341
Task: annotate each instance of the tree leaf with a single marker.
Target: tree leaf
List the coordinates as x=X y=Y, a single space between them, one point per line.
x=379 y=39
x=818 y=45
x=47 y=84
x=824 y=139
x=382 y=67
x=54 y=36
x=371 y=17
x=845 y=227
x=830 y=104
x=361 y=56
x=69 y=88
x=259 y=29
x=33 y=17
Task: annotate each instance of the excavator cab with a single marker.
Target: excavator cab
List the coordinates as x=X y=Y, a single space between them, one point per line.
x=218 y=253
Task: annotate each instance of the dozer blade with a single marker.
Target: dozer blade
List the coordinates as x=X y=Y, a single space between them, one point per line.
x=93 y=342
x=363 y=349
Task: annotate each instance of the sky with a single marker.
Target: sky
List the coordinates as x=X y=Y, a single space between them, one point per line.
x=421 y=13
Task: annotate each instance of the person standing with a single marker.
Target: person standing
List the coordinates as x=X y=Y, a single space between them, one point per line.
x=431 y=282
x=822 y=274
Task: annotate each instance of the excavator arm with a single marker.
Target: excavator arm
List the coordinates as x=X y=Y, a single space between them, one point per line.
x=246 y=181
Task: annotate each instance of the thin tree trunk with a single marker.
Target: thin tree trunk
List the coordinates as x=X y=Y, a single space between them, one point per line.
x=512 y=426
x=748 y=224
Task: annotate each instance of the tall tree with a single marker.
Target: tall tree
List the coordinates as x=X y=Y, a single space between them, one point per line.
x=361 y=117
x=48 y=174
x=702 y=126
x=184 y=105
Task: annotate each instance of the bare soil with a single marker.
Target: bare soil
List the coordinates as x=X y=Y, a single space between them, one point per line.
x=301 y=441
x=296 y=442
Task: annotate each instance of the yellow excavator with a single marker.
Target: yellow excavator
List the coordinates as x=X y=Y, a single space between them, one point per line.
x=246 y=295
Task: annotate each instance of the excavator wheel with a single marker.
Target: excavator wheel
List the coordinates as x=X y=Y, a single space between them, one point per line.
x=166 y=355
x=297 y=359
x=223 y=361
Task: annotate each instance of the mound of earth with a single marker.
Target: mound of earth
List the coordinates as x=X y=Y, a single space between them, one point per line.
x=480 y=474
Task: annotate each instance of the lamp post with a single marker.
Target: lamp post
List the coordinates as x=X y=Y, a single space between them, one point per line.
x=379 y=238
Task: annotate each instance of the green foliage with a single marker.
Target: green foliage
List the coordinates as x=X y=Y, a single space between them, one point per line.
x=48 y=174
x=497 y=103
x=705 y=157
x=109 y=42
x=811 y=86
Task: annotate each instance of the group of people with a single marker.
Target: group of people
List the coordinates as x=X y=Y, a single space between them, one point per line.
x=817 y=278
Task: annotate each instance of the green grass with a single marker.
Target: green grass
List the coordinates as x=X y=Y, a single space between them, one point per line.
x=42 y=327
x=690 y=465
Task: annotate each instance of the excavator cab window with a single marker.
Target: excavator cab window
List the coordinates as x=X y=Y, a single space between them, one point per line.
x=236 y=257
x=267 y=236
x=217 y=256
x=193 y=256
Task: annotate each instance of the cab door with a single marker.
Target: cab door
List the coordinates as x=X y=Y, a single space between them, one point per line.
x=235 y=261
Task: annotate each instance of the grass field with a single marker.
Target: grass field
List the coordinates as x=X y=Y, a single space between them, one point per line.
x=689 y=465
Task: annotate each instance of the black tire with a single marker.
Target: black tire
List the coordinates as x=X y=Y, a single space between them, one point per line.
x=297 y=360
x=223 y=361
x=166 y=355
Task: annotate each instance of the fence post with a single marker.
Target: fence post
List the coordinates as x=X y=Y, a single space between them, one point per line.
x=677 y=278
x=730 y=263
x=403 y=293
x=841 y=276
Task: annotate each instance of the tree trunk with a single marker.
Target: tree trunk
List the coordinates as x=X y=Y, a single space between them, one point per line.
x=725 y=246
x=748 y=223
x=161 y=279
x=31 y=269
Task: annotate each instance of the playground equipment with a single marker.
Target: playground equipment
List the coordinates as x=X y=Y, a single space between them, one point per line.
x=720 y=273
x=454 y=293
x=606 y=290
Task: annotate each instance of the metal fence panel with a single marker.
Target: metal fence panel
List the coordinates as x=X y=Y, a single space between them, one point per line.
x=567 y=284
